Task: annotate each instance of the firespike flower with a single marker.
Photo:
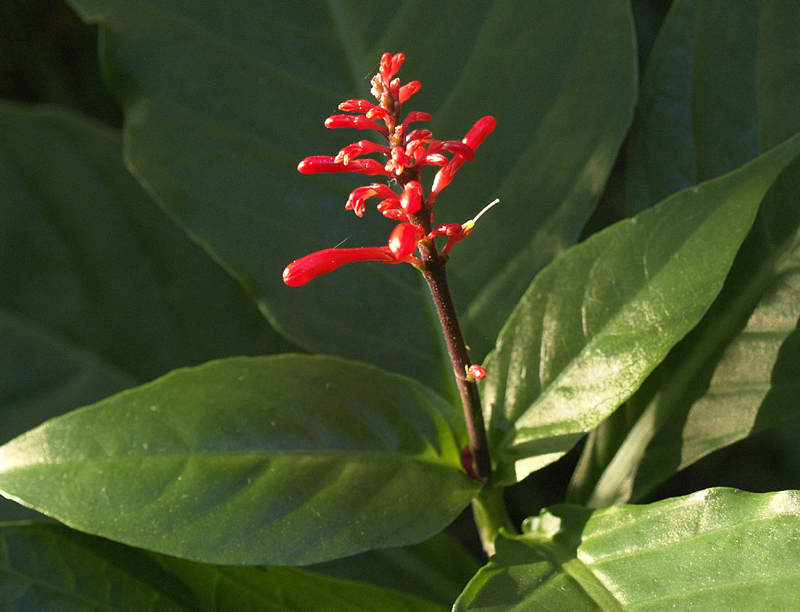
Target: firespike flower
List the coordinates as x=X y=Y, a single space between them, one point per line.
x=404 y=156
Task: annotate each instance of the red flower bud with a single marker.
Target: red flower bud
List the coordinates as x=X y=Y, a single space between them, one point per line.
x=477 y=372
x=404 y=239
x=482 y=128
x=360 y=194
x=408 y=90
x=357 y=106
x=362 y=147
x=411 y=200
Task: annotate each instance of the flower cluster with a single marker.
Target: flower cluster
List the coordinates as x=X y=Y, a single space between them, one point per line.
x=406 y=153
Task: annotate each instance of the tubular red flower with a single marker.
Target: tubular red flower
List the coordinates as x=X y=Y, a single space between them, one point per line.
x=482 y=128
x=360 y=194
x=408 y=90
x=307 y=268
x=404 y=239
x=362 y=147
x=357 y=106
x=390 y=65
x=415 y=116
x=355 y=121
x=445 y=175
x=453 y=146
x=326 y=163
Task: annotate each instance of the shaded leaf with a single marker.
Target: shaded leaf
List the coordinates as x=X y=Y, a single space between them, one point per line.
x=437 y=569
x=596 y=322
x=719 y=549
x=91 y=260
x=224 y=99
x=285 y=460
x=49 y=567
x=732 y=89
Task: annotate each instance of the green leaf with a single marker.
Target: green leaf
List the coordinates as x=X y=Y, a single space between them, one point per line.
x=717 y=550
x=437 y=569
x=49 y=567
x=285 y=460
x=90 y=260
x=724 y=81
x=721 y=88
x=223 y=99
x=45 y=566
x=596 y=322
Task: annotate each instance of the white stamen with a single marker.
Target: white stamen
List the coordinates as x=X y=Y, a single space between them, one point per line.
x=487 y=207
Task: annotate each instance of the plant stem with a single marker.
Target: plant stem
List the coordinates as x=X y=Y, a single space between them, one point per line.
x=436 y=278
x=491 y=516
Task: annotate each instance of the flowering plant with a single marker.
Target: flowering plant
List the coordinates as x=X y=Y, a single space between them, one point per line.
x=496 y=426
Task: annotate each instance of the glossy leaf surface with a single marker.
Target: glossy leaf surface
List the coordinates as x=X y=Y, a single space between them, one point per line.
x=596 y=322
x=223 y=99
x=728 y=93
x=286 y=460
x=49 y=567
x=716 y=550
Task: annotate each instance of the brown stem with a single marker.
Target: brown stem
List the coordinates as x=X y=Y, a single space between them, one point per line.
x=436 y=278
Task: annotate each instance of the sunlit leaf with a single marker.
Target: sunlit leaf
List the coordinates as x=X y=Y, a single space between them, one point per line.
x=284 y=460
x=596 y=322
x=717 y=550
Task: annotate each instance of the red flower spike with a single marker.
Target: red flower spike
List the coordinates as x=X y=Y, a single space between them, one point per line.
x=307 y=268
x=411 y=200
x=408 y=90
x=407 y=153
x=477 y=372
x=404 y=239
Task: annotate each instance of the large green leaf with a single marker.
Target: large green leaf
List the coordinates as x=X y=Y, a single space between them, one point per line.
x=285 y=460
x=723 y=76
x=49 y=567
x=89 y=258
x=223 y=99
x=596 y=321
x=717 y=550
